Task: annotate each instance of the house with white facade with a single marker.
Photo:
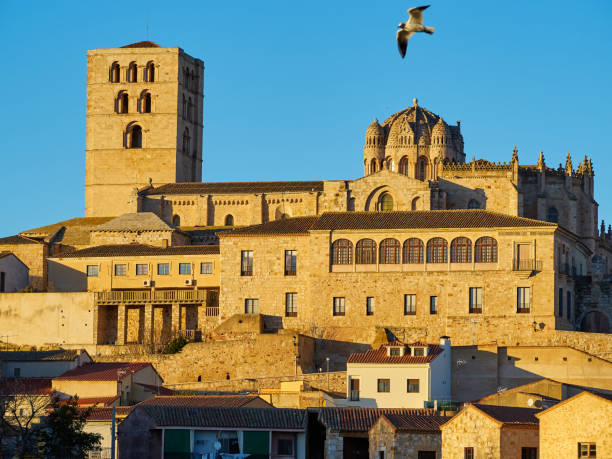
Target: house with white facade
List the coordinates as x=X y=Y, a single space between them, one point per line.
x=400 y=375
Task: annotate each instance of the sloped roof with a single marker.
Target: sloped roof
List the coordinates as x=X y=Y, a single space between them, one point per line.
x=236 y=187
x=102 y=414
x=32 y=356
x=380 y=355
x=510 y=414
x=138 y=221
x=128 y=250
x=296 y=225
x=142 y=44
x=29 y=386
x=159 y=390
x=103 y=371
x=235 y=418
x=74 y=231
x=357 y=419
x=415 y=423
x=604 y=396
x=100 y=401
x=219 y=401
x=16 y=239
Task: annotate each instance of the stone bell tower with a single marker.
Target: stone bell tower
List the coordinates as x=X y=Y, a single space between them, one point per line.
x=144 y=123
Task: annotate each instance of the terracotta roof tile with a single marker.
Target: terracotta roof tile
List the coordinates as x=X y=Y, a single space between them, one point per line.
x=137 y=221
x=380 y=355
x=100 y=401
x=235 y=187
x=159 y=390
x=142 y=44
x=356 y=419
x=510 y=414
x=234 y=418
x=17 y=239
x=103 y=371
x=297 y=225
x=415 y=423
x=422 y=219
x=219 y=401
x=30 y=386
x=102 y=414
x=33 y=356
x=129 y=250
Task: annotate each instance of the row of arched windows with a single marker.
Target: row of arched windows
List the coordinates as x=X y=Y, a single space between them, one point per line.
x=131 y=72
x=144 y=102
x=391 y=251
x=188 y=108
x=191 y=79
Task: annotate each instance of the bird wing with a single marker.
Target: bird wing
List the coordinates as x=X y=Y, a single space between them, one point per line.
x=402 y=41
x=416 y=14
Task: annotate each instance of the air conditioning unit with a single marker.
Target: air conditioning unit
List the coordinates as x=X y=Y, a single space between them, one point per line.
x=190 y=282
x=147 y=283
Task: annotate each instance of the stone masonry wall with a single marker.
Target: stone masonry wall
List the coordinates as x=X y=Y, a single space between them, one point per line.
x=401 y=445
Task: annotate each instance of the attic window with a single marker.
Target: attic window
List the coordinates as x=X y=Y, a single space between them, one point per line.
x=419 y=351
x=395 y=351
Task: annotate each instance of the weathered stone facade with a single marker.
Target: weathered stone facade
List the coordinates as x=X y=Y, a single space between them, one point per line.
x=396 y=444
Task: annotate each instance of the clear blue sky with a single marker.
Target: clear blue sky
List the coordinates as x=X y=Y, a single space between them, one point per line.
x=291 y=87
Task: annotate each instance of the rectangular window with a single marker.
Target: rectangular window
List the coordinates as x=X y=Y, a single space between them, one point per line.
x=120 y=270
x=418 y=352
x=285 y=447
x=433 y=304
x=522 y=300
x=412 y=385
x=394 y=352
x=142 y=269
x=92 y=270
x=206 y=267
x=384 y=385
x=370 y=306
x=291 y=304
x=475 y=300
x=529 y=453
x=354 y=388
x=587 y=450
x=163 y=269
x=290 y=262
x=184 y=268
x=468 y=452
x=246 y=263
x=560 y=302
x=251 y=306
x=410 y=304
x=339 y=308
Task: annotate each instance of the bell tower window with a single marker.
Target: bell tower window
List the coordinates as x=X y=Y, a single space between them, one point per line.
x=122 y=102
x=145 y=102
x=114 y=72
x=150 y=72
x=135 y=137
x=132 y=73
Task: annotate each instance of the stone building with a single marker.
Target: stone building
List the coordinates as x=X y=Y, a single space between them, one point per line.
x=14 y=273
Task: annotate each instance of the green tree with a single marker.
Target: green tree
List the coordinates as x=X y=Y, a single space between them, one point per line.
x=63 y=436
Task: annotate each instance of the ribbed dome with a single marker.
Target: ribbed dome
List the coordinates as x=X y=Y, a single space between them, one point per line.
x=440 y=128
x=420 y=121
x=375 y=128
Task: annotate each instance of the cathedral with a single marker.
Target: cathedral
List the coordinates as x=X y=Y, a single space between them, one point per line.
x=427 y=239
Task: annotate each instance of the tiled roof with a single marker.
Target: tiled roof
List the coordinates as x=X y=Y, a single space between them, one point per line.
x=159 y=390
x=74 y=231
x=30 y=386
x=233 y=418
x=380 y=355
x=235 y=187
x=100 y=401
x=415 y=423
x=509 y=414
x=10 y=240
x=101 y=414
x=422 y=219
x=129 y=250
x=31 y=356
x=138 y=221
x=297 y=225
x=219 y=401
x=356 y=419
x=142 y=44
x=103 y=371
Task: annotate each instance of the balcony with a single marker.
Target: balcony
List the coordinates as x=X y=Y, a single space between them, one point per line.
x=151 y=296
x=526 y=265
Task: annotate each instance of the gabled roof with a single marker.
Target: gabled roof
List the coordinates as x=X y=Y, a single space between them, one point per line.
x=357 y=419
x=158 y=390
x=296 y=225
x=219 y=401
x=380 y=356
x=102 y=414
x=129 y=250
x=222 y=418
x=600 y=395
x=33 y=356
x=99 y=401
x=138 y=221
x=509 y=414
x=6 y=254
x=235 y=187
x=103 y=371
x=142 y=44
x=25 y=386
x=16 y=239
x=414 y=423
x=74 y=231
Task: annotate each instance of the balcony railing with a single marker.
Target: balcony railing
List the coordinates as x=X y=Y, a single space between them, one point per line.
x=149 y=296
x=211 y=311
x=526 y=265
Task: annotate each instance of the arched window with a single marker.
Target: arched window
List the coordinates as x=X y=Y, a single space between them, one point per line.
x=150 y=72
x=390 y=251
x=189 y=109
x=386 y=202
x=473 y=204
x=176 y=220
x=372 y=166
x=122 y=102
x=485 y=250
x=186 y=141
x=135 y=137
x=365 y=252
x=461 y=250
x=132 y=73
x=422 y=169
x=552 y=215
x=184 y=107
x=146 y=103
x=403 y=166
x=229 y=220
x=342 y=252
x=437 y=250
x=416 y=202
x=413 y=251
x=115 y=72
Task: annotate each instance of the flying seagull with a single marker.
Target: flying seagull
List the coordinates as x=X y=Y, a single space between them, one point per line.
x=408 y=29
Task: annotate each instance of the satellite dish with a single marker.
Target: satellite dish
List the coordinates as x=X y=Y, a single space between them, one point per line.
x=217 y=445
x=530 y=402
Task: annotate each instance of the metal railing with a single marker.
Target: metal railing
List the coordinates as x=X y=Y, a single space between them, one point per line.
x=526 y=265
x=151 y=296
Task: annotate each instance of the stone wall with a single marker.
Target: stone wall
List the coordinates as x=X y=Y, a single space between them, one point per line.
x=471 y=428
x=401 y=445
x=33 y=255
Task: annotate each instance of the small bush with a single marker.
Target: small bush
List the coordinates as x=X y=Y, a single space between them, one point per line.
x=175 y=345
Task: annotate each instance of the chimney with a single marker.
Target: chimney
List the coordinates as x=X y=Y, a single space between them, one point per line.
x=445 y=342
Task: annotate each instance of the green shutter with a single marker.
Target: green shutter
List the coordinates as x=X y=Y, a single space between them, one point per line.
x=177 y=444
x=257 y=444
